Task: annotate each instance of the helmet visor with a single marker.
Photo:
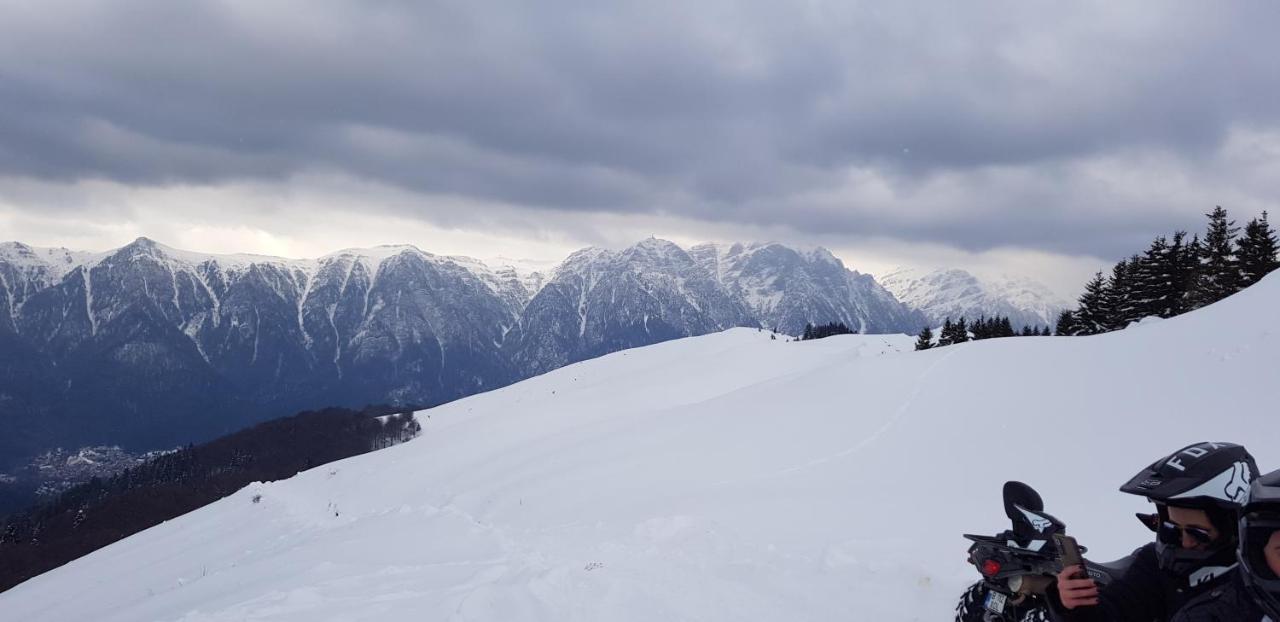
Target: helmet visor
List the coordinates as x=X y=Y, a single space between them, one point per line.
x=1260 y=545
x=1260 y=557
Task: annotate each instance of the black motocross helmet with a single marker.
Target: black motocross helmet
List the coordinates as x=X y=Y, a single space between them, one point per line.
x=1259 y=523
x=1213 y=477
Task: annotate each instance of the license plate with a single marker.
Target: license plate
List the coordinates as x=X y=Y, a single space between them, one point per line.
x=995 y=602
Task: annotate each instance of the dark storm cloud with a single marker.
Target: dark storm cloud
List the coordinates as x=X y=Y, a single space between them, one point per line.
x=749 y=112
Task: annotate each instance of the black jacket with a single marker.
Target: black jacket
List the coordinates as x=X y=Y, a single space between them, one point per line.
x=1226 y=603
x=1140 y=593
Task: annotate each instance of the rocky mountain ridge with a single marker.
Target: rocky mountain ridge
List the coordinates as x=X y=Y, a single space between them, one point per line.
x=150 y=346
x=953 y=293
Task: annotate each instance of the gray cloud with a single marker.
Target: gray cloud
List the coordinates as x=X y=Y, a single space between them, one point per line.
x=978 y=126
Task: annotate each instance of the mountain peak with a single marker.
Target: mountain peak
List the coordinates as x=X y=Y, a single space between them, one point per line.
x=955 y=292
x=653 y=251
x=587 y=253
x=17 y=252
x=823 y=255
x=51 y=263
x=655 y=243
x=143 y=246
x=379 y=253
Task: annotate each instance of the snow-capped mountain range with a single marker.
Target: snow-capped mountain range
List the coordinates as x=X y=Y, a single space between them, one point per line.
x=601 y=301
x=954 y=293
x=721 y=477
x=148 y=346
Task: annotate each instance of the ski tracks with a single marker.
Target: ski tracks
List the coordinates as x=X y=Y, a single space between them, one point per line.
x=901 y=411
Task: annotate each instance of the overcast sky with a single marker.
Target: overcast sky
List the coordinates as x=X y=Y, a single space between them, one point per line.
x=1040 y=138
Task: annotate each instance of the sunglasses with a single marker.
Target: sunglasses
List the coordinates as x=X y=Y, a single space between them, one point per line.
x=1171 y=533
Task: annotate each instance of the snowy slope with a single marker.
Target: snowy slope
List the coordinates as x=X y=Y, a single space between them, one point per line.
x=25 y=270
x=724 y=477
x=51 y=263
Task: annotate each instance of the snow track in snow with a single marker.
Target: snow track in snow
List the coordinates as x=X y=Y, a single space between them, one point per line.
x=889 y=422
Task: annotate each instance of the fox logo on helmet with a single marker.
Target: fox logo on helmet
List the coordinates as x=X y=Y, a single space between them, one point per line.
x=1230 y=485
x=1237 y=488
x=1192 y=453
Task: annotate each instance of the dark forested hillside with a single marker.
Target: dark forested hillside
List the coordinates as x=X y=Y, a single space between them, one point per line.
x=93 y=515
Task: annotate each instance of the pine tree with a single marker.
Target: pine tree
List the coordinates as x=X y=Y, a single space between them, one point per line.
x=1156 y=280
x=947 y=335
x=1172 y=265
x=981 y=328
x=962 y=332
x=1090 y=317
x=1121 y=303
x=926 y=339
x=1066 y=324
x=1256 y=251
x=1145 y=272
x=1186 y=271
x=808 y=332
x=1045 y=332
x=990 y=328
x=1219 y=274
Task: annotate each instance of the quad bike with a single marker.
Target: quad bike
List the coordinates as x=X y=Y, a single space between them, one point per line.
x=1019 y=565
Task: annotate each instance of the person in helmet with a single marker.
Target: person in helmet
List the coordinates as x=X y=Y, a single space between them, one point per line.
x=1260 y=544
x=1253 y=594
x=1197 y=492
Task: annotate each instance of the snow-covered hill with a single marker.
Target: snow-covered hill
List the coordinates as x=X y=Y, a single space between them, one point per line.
x=954 y=293
x=723 y=477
